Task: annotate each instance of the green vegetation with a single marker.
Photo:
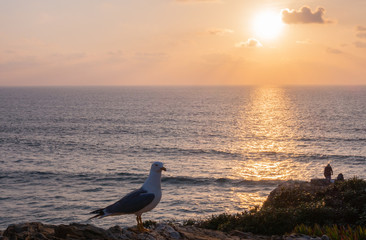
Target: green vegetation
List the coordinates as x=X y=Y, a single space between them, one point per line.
x=340 y=204
x=334 y=232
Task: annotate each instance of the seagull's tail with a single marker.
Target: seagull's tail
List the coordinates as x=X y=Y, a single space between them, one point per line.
x=99 y=213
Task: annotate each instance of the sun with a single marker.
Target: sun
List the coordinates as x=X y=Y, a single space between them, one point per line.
x=267 y=24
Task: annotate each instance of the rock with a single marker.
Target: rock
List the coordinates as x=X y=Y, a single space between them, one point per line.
x=325 y=237
x=162 y=231
x=301 y=237
x=34 y=230
x=242 y=234
x=248 y=235
x=168 y=231
x=81 y=231
x=275 y=237
x=76 y=231
x=119 y=233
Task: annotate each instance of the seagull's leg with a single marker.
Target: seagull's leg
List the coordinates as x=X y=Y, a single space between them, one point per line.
x=140 y=225
x=138 y=222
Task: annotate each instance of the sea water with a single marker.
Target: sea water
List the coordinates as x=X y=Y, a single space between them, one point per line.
x=67 y=151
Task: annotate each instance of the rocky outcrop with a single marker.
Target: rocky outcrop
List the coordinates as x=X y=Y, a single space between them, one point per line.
x=39 y=231
x=290 y=190
x=164 y=231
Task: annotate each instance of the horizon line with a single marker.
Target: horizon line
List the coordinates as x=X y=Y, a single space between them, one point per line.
x=182 y=85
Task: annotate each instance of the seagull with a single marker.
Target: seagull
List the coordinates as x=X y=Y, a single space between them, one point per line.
x=139 y=201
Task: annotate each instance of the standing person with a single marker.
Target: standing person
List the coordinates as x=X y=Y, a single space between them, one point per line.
x=328 y=172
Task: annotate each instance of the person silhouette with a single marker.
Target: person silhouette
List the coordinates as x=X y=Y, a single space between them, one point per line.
x=328 y=172
x=340 y=177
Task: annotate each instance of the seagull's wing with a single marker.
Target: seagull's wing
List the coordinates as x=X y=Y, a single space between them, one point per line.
x=131 y=203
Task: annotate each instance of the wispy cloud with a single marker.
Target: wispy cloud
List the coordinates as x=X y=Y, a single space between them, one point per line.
x=219 y=31
x=304 y=16
x=306 y=41
x=360 y=28
x=360 y=44
x=361 y=32
x=361 y=35
x=334 y=51
x=251 y=43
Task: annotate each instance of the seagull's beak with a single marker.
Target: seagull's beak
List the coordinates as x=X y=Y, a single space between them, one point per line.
x=163 y=169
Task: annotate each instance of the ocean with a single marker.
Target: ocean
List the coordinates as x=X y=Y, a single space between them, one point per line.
x=65 y=151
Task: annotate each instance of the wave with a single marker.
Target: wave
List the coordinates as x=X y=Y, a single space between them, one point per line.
x=191 y=151
x=330 y=139
x=305 y=156
x=216 y=181
x=319 y=156
x=110 y=179
x=48 y=146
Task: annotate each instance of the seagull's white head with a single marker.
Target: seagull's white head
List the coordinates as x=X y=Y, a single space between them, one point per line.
x=157 y=167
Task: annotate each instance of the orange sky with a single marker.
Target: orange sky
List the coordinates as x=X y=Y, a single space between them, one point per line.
x=181 y=42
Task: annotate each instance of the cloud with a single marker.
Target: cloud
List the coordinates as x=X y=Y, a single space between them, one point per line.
x=219 y=31
x=306 y=41
x=304 y=16
x=361 y=35
x=360 y=44
x=251 y=42
x=334 y=51
x=361 y=32
x=360 y=28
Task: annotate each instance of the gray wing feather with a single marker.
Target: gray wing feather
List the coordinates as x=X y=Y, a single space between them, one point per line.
x=131 y=203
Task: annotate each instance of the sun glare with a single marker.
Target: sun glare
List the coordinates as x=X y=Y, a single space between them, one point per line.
x=267 y=24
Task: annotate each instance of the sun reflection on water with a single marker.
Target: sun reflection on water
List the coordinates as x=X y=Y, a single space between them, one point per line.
x=266 y=169
x=264 y=131
x=249 y=200
x=268 y=123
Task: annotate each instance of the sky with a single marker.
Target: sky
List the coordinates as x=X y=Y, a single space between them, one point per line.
x=182 y=42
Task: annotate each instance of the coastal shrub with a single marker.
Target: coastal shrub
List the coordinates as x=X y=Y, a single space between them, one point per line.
x=348 y=196
x=224 y=222
x=342 y=203
x=310 y=214
x=274 y=221
x=289 y=197
x=334 y=232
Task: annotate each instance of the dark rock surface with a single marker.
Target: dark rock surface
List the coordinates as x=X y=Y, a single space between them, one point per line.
x=164 y=231
x=39 y=231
